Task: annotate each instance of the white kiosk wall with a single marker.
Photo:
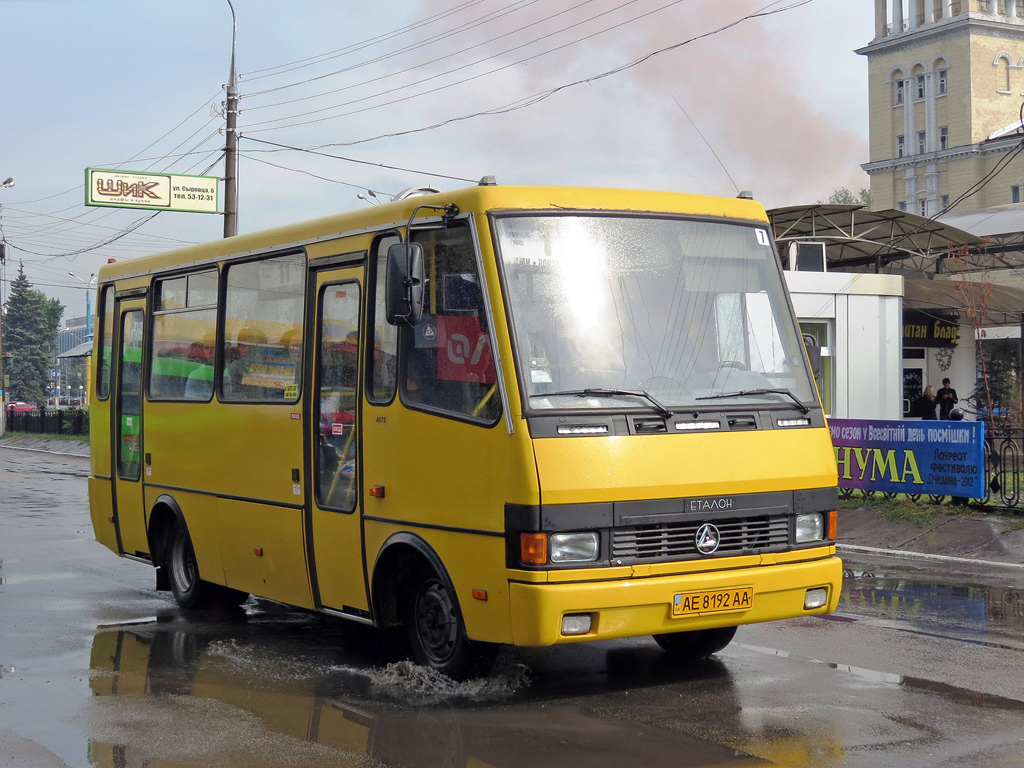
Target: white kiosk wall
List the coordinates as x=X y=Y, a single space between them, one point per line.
x=865 y=339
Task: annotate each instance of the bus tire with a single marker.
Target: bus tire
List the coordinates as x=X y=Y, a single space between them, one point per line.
x=437 y=633
x=182 y=570
x=698 y=643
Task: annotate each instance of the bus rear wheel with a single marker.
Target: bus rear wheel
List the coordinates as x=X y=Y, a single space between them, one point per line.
x=437 y=633
x=189 y=590
x=696 y=644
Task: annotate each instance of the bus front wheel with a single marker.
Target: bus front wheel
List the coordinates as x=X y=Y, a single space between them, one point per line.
x=437 y=634
x=698 y=643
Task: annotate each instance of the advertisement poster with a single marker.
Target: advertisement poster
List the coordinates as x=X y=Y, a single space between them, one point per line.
x=944 y=458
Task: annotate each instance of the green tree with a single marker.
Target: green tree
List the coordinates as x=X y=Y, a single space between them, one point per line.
x=30 y=337
x=843 y=196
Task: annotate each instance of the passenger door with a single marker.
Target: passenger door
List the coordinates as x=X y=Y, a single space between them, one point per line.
x=127 y=458
x=334 y=437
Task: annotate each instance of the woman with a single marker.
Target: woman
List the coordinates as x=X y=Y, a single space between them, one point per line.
x=925 y=405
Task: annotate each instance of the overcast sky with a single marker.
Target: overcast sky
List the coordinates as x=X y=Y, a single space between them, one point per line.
x=780 y=99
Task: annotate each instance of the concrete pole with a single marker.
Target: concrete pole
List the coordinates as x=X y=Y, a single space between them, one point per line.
x=231 y=143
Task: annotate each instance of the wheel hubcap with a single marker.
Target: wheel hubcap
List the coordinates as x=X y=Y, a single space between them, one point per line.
x=435 y=622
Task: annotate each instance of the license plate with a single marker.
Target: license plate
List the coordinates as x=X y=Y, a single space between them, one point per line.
x=693 y=603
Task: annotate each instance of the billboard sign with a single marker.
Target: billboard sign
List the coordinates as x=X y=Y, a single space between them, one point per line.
x=151 y=191
x=944 y=458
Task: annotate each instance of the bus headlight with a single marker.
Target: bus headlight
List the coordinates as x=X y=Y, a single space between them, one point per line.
x=573 y=547
x=810 y=527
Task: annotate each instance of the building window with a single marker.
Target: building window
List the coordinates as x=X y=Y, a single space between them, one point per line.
x=1002 y=65
x=985 y=6
x=1020 y=8
x=1016 y=193
x=817 y=336
x=944 y=137
x=900 y=146
x=898 y=96
x=924 y=207
x=922 y=141
x=920 y=87
x=944 y=79
x=901 y=206
x=944 y=202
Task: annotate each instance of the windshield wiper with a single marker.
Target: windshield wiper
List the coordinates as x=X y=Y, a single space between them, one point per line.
x=803 y=408
x=611 y=393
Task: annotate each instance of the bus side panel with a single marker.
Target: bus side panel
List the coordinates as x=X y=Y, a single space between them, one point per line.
x=245 y=463
x=263 y=550
x=602 y=469
x=242 y=450
x=99 y=438
x=101 y=511
x=453 y=477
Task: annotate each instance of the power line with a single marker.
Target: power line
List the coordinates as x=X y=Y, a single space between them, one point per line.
x=528 y=101
x=254 y=127
x=315 y=175
x=425 y=44
x=362 y=162
x=256 y=74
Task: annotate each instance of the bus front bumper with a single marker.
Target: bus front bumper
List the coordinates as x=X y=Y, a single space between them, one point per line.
x=644 y=606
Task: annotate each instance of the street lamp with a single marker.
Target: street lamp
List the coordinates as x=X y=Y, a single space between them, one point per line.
x=88 y=302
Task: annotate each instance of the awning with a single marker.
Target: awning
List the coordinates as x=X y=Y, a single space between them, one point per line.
x=80 y=350
x=856 y=238
x=979 y=303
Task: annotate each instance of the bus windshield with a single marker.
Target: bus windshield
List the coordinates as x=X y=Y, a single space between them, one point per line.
x=614 y=311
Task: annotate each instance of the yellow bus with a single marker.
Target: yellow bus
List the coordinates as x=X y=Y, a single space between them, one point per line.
x=497 y=415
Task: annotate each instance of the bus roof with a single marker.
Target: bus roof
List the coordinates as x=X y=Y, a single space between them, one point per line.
x=478 y=199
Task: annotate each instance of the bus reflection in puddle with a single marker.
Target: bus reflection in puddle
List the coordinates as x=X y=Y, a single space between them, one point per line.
x=204 y=700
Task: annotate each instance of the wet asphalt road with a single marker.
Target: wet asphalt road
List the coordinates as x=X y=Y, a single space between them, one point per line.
x=919 y=667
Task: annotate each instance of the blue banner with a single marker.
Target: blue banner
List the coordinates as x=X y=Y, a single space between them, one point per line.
x=944 y=458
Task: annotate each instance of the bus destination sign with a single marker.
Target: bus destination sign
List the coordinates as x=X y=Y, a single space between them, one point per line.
x=151 y=191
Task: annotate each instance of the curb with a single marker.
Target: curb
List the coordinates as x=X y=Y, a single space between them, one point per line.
x=925 y=556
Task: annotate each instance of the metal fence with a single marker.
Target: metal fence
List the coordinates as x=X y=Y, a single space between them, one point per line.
x=64 y=421
x=1004 y=467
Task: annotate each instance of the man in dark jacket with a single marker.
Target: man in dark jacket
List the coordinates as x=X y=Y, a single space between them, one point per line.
x=947 y=399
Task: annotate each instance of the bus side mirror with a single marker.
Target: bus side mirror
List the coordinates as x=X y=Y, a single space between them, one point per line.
x=403 y=287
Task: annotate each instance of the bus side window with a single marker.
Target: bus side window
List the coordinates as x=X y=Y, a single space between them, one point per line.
x=106 y=333
x=384 y=350
x=446 y=357
x=263 y=309
x=184 y=337
x=336 y=403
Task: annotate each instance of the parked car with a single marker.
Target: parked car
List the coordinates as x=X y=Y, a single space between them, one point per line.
x=19 y=405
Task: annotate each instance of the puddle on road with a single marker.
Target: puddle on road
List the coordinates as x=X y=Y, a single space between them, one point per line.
x=252 y=698
x=973 y=611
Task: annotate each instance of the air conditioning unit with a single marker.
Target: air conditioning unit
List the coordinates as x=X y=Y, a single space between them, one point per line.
x=807 y=257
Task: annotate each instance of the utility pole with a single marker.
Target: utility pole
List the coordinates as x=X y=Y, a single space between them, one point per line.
x=5 y=184
x=231 y=143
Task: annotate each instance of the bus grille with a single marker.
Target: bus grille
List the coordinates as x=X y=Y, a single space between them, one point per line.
x=677 y=541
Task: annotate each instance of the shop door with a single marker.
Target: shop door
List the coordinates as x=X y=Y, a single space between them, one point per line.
x=130 y=516
x=913 y=386
x=335 y=443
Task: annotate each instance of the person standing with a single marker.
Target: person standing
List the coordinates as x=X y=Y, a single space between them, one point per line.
x=925 y=405
x=947 y=399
